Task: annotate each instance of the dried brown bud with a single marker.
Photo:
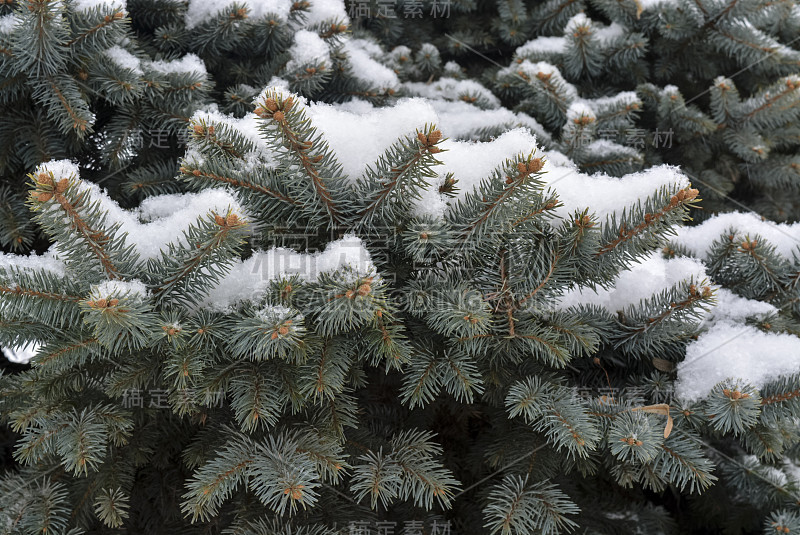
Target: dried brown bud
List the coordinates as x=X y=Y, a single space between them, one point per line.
x=274 y=335
x=278 y=116
x=44 y=178
x=219 y=220
x=118 y=15
x=522 y=168
x=196 y=172
x=422 y=138
x=41 y=196
x=364 y=289
x=349 y=294
x=434 y=150
x=101 y=303
x=113 y=302
x=232 y=220
x=199 y=129
x=284 y=330
x=271 y=105
x=535 y=165
x=434 y=137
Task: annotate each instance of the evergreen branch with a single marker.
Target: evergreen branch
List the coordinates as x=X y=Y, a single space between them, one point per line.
x=106 y=21
x=308 y=150
x=681 y=199
x=238 y=183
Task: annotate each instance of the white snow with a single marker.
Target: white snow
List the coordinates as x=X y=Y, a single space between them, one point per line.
x=22 y=354
x=188 y=63
x=124 y=59
x=150 y=236
x=578 y=109
x=7 y=23
x=458 y=119
x=46 y=262
x=654 y=4
x=606 y=34
x=59 y=169
x=105 y=5
x=452 y=89
x=308 y=49
x=247 y=126
x=734 y=350
x=730 y=348
x=249 y=279
x=360 y=136
x=134 y=289
x=533 y=70
x=470 y=163
x=451 y=68
x=325 y=11
x=605 y=195
x=601 y=148
x=620 y=100
x=580 y=20
x=200 y=11
x=650 y=276
x=733 y=308
x=154 y=234
x=542 y=46
x=698 y=239
x=363 y=56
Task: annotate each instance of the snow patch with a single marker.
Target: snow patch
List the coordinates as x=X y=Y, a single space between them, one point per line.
x=188 y=63
x=248 y=280
x=452 y=89
x=363 y=56
x=698 y=239
x=134 y=289
x=308 y=49
x=22 y=354
x=124 y=59
x=32 y=262
x=358 y=133
x=650 y=276
x=7 y=23
x=200 y=11
x=105 y=5
x=733 y=350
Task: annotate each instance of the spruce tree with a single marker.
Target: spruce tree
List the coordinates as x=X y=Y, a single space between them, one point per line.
x=440 y=359
x=322 y=307
x=621 y=85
